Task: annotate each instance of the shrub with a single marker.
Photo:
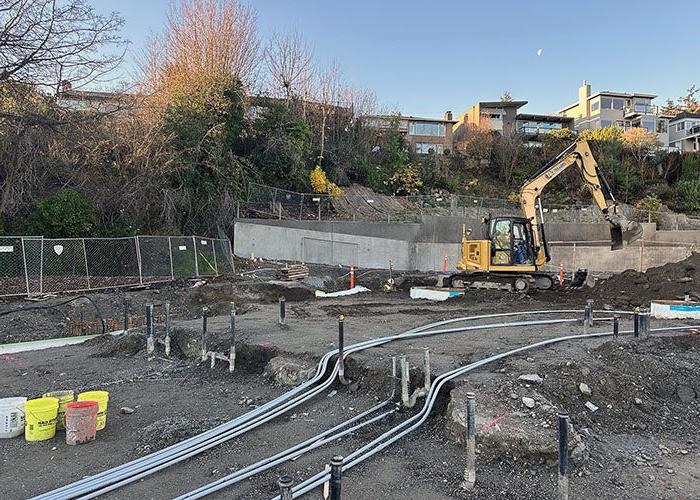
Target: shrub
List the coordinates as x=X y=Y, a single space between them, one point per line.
x=688 y=195
x=66 y=214
x=320 y=183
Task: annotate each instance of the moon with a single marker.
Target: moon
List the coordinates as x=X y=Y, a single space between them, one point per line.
x=539 y=52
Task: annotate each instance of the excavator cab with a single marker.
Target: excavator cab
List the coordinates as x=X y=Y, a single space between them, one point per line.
x=512 y=242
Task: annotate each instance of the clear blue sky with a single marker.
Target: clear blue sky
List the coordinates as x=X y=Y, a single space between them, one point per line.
x=425 y=57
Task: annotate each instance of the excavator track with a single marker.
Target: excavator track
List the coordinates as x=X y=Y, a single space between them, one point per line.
x=516 y=282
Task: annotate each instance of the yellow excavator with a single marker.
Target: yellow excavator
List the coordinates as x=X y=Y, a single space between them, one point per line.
x=513 y=252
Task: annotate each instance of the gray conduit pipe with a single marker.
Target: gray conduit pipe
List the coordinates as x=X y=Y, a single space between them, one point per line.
x=203 y=441
x=417 y=420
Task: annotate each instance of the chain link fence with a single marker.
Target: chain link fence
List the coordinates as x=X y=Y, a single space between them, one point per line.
x=33 y=265
x=269 y=202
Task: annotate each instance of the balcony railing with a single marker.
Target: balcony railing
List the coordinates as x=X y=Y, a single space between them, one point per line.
x=641 y=109
x=694 y=130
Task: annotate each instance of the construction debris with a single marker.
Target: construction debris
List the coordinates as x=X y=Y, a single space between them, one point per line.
x=292 y=272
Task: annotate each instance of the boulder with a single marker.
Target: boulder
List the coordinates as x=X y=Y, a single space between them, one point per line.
x=287 y=371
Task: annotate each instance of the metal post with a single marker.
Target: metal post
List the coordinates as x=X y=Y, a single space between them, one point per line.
x=404 y=379
x=319 y=209
x=238 y=209
x=167 y=328
x=87 y=271
x=170 y=251
x=283 y=310
x=644 y=318
x=285 y=484
x=213 y=248
x=589 y=304
x=395 y=376
x=126 y=316
x=470 y=423
x=150 y=342
x=196 y=263
x=204 y=333
x=138 y=258
x=41 y=266
x=232 y=351
x=616 y=326
x=24 y=258
x=426 y=369
x=336 y=476
x=636 y=322
x=563 y=455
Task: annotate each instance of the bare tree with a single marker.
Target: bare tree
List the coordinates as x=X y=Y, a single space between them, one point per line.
x=329 y=93
x=288 y=60
x=207 y=38
x=44 y=42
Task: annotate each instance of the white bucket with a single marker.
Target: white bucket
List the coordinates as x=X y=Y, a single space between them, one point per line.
x=12 y=417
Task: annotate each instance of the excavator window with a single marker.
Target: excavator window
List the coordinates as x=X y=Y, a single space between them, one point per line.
x=502 y=239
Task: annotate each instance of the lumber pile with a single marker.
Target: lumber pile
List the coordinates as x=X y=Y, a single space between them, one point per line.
x=293 y=272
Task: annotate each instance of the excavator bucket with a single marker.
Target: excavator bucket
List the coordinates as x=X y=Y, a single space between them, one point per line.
x=623 y=231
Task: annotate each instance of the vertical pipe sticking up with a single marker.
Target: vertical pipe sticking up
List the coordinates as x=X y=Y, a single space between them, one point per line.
x=404 y=380
x=644 y=317
x=563 y=455
x=395 y=381
x=126 y=316
x=470 y=423
x=205 y=310
x=150 y=342
x=426 y=369
x=232 y=352
x=336 y=476
x=285 y=484
x=616 y=326
x=168 y=327
x=636 y=322
x=283 y=311
x=589 y=303
x=341 y=350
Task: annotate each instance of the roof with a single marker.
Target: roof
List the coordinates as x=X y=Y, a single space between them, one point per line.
x=411 y=118
x=90 y=95
x=685 y=114
x=502 y=104
x=544 y=118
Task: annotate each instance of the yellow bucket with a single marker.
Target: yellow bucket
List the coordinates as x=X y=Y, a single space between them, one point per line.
x=102 y=398
x=40 y=415
x=64 y=397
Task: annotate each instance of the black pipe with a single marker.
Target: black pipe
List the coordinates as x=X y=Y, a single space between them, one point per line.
x=126 y=315
x=168 y=322
x=616 y=326
x=336 y=476
x=563 y=455
x=232 y=323
x=636 y=323
x=204 y=333
x=283 y=312
x=285 y=483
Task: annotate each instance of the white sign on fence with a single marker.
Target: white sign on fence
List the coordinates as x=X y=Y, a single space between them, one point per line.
x=7 y=249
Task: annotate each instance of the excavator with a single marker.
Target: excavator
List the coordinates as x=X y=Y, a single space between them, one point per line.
x=513 y=252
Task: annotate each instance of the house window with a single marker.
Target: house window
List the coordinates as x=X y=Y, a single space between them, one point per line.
x=424 y=148
x=605 y=123
x=648 y=125
x=606 y=102
x=595 y=106
x=680 y=126
x=618 y=103
x=429 y=129
x=661 y=127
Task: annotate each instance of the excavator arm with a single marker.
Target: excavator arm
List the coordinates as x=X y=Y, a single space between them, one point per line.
x=579 y=155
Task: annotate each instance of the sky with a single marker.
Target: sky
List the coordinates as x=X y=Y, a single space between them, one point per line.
x=422 y=58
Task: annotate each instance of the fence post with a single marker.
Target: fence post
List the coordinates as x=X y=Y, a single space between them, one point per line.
x=138 y=258
x=87 y=271
x=24 y=259
x=41 y=266
x=213 y=247
x=170 y=251
x=196 y=264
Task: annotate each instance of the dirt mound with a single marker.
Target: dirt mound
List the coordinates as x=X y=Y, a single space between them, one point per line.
x=643 y=385
x=168 y=431
x=669 y=281
x=121 y=346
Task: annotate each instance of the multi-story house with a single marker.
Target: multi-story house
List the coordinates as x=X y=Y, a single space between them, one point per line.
x=534 y=127
x=684 y=132
x=497 y=116
x=424 y=135
x=623 y=109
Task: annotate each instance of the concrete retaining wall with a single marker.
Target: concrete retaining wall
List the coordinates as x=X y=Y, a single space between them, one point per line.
x=424 y=246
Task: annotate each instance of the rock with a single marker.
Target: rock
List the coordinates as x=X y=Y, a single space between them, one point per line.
x=287 y=371
x=126 y=410
x=593 y=408
x=529 y=402
x=584 y=389
x=637 y=401
x=685 y=279
x=685 y=393
x=585 y=371
x=530 y=360
x=532 y=378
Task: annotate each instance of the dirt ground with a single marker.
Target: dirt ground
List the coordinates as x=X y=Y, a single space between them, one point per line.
x=640 y=443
